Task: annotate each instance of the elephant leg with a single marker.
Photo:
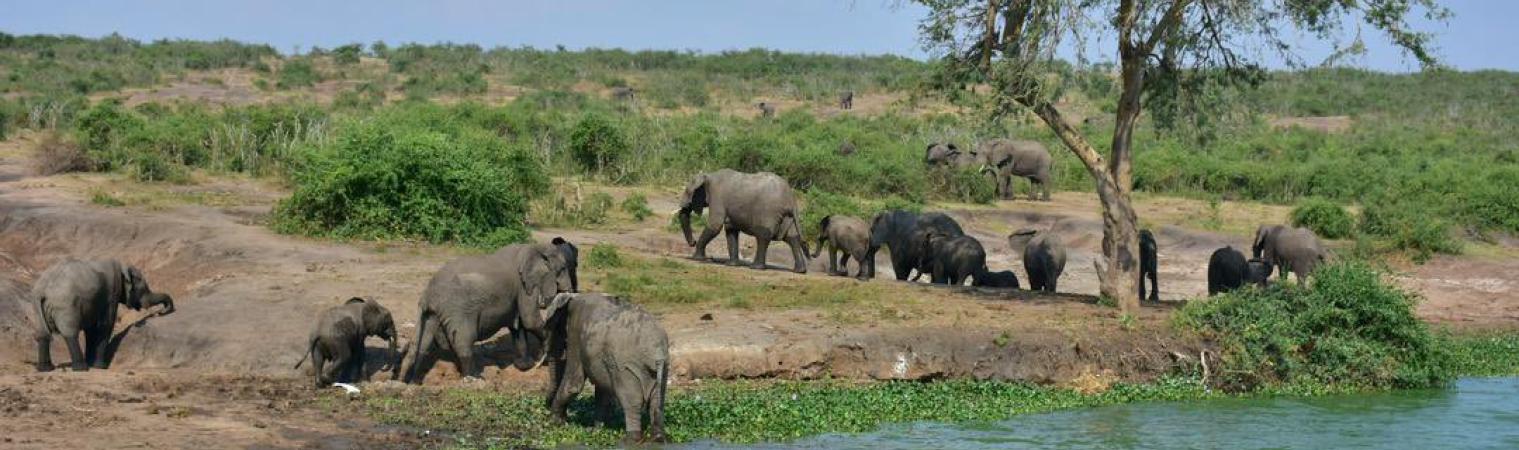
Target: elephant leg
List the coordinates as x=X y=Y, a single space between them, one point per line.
x=333 y=373
x=606 y=404
x=1005 y=187
x=355 y=367
x=421 y=362
x=1154 y=287
x=701 y=242
x=761 y=248
x=833 y=260
x=901 y=267
x=44 y=351
x=462 y=339
x=318 y=368
x=733 y=254
x=798 y=257
x=844 y=264
x=94 y=345
x=571 y=381
x=632 y=401
x=76 y=355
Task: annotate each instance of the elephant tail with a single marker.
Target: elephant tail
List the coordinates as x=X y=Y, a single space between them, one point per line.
x=310 y=347
x=43 y=320
x=657 y=395
x=789 y=218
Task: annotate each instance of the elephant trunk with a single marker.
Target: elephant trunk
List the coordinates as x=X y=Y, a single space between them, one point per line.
x=395 y=367
x=685 y=226
x=158 y=298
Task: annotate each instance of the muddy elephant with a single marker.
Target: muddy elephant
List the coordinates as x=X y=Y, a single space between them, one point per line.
x=895 y=229
x=1043 y=257
x=846 y=100
x=847 y=238
x=473 y=297
x=947 y=154
x=1008 y=158
x=1297 y=250
x=338 y=339
x=76 y=296
x=999 y=279
x=1228 y=270
x=950 y=259
x=622 y=350
x=758 y=204
x=1148 y=265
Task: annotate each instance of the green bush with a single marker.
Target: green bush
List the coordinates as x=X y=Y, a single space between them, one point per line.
x=347 y=54
x=968 y=186
x=1409 y=226
x=394 y=179
x=1325 y=218
x=297 y=73
x=637 y=206
x=1348 y=328
x=603 y=255
x=598 y=144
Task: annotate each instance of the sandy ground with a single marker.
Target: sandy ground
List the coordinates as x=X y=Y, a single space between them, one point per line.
x=217 y=372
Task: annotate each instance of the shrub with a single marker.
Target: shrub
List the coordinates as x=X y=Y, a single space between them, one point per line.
x=297 y=73
x=152 y=166
x=603 y=255
x=1325 y=218
x=347 y=54
x=597 y=144
x=1409 y=226
x=968 y=186
x=57 y=154
x=100 y=128
x=1348 y=328
x=637 y=206
x=393 y=178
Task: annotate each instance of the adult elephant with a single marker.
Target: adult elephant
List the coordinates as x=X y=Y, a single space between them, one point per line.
x=897 y=229
x=1008 y=158
x=1297 y=250
x=77 y=296
x=1043 y=257
x=758 y=204
x=473 y=297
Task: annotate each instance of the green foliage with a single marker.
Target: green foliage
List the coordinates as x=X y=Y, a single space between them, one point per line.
x=347 y=54
x=598 y=144
x=395 y=177
x=637 y=206
x=1325 y=218
x=56 y=65
x=603 y=256
x=1406 y=225
x=297 y=73
x=567 y=208
x=1348 y=328
x=1485 y=355
x=103 y=198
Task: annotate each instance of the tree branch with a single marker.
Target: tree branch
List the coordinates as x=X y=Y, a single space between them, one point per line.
x=1168 y=22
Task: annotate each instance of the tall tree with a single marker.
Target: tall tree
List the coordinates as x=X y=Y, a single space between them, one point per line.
x=1164 y=48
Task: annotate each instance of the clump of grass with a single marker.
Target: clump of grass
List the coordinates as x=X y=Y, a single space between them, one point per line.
x=637 y=206
x=297 y=73
x=566 y=207
x=57 y=154
x=1325 y=218
x=602 y=256
x=1348 y=328
x=101 y=197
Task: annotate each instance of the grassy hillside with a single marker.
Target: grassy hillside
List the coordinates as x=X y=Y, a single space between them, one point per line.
x=1428 y=157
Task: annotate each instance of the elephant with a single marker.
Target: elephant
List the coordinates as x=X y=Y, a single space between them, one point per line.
x=950 y=259
x=846 y=149
x=338 y=337
x=1228 y=270
x=1008 y=158
x=623 y=351
x=1289 y=249
x=1148 y=265
x=895 y=229
x=948 y=154
x=1043 y=257
x=851 y=237
x=846 y=100
x=622 y=93
x=473 y=297
x=758 y=204
x=1002 y=279
x=79 y=295
x=767 y=110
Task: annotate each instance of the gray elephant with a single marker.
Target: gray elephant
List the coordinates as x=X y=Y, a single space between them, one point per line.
x=1000 y=279
x=1148 y=265
x=767 y=110
x=846 y=100
x=1007 y=158
x=473 y=297
x=896 y=230
x=758 y=204
x=948 y=154
x=1228 y=270
x=1289 y=249
x=951 y=259
x=846 y=237
x=622 y=93
x=1043 y=257
x=338 y=338
x=77 y=296
x=623 y=351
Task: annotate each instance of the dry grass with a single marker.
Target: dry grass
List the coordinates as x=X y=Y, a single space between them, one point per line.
x=55 y=154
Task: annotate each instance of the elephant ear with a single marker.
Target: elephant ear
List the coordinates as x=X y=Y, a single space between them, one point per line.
x=131 y=294
x=695 y=194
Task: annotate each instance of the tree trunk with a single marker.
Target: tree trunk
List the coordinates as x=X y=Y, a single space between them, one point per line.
x=989 y=40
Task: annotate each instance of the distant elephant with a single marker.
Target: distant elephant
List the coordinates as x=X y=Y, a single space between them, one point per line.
x=1148 y=265
x=473 y=297
x=949 y=155
x=767 y=110
x=1002 y=279
x=895 y=229
x=338 y=337
x=1043 y=257
x=847 y=237
x=1228 y=270
x=623 y=351
x=74 y=296
x=1007 y=158
x=950 y=259
x=1290 y=249
x=846 y=149
x=622 y=93
x=846 y=100
x=758 y=204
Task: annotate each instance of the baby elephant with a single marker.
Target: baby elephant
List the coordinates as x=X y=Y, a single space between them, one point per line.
x=1003 y=279
x=851 y=237
x=621 y=348
x=338 y=338
x=1148 y=265
x=1043 y=257
x=82 y=296
x=846 y=100
x=951 y=259
x=1228 y=270
x=767 y=109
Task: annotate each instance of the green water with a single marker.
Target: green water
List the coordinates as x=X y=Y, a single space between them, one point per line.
x=1479 y=413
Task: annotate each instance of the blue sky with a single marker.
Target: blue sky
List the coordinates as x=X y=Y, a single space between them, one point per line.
x=1480 y=36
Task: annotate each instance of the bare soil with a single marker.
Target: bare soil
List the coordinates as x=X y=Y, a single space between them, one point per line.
x=217 y=373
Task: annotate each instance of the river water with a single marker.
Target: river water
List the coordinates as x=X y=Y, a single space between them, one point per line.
x=1477 y=413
